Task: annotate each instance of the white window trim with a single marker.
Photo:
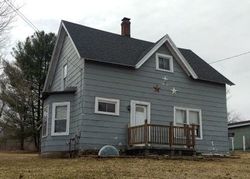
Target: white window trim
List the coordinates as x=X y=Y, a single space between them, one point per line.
x=133 y=103
x=54 y=105
x=187 y=113
x=157 y=55
x=47 y=106
x=107 y=100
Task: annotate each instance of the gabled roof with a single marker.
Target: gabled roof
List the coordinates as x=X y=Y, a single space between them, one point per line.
x=101 y=46
x=239 y=124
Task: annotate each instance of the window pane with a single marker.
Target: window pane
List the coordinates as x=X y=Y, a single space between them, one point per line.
x=194 y=117
x=106 y=107
x=110 y=107
x=102 y=106
x=164 y=63
x=65 y=71
x=180 y=116
x=140 y=109
x=61 y=112
x=60 y=126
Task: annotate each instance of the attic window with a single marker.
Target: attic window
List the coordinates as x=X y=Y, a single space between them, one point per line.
x=164 y=62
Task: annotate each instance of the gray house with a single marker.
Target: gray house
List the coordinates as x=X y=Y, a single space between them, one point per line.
x=239 y=135
x=113 y=89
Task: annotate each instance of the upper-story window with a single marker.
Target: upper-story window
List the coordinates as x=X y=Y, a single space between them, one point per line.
x=65 y=72
x=164 y=62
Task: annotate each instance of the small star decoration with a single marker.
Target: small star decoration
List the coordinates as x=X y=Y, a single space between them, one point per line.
x=165 y=79
x=173 y=90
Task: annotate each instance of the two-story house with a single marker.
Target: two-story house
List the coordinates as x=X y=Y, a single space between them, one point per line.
x=118 y=90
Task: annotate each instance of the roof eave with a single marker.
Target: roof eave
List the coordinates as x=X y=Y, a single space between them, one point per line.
x=188 y=69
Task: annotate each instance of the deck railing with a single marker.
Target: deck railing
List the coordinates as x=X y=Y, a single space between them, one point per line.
x=162 y=134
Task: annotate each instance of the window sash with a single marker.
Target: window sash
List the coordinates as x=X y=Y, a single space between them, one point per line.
x=60 y=119
x=198 y=130
x=164 y=62
x=107 y=106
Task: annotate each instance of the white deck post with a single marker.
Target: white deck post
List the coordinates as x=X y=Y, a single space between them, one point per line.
x=244 y=143
x=232 y=139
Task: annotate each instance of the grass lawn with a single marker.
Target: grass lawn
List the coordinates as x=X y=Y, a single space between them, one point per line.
x=14 y=165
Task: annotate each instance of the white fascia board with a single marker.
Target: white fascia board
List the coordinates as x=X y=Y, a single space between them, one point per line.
x=166 y=38
x=71 y=40
x=52 y=58
x=238 y=125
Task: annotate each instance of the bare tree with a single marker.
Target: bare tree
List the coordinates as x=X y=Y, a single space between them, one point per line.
x=6 y=17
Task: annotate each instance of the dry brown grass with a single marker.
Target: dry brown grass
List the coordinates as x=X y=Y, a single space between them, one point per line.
x=13 y=165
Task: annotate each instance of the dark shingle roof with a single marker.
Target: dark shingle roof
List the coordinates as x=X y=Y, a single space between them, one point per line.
x=98 y=45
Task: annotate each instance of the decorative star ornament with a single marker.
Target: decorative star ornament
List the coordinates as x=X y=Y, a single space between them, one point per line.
x=165 y=79
x=157 y=88
x=173 y=90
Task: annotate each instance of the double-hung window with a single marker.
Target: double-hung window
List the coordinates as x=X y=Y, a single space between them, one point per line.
x=190 y=117
x=164 y=62
x=60 y=118
x=45 y=121
x=107 y=106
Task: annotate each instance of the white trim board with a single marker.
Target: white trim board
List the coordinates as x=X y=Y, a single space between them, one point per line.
x=238 y=125
x=180 y=58
x=108 y=100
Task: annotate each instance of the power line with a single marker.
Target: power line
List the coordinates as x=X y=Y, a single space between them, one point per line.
x=11 y=5
x=228 y=58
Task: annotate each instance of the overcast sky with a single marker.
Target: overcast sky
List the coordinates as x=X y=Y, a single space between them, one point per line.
x=214 y=29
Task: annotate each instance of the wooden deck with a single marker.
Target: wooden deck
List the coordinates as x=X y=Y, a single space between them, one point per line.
x=162 y=137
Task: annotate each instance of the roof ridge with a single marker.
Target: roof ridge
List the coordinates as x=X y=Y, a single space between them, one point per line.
x=132 y=38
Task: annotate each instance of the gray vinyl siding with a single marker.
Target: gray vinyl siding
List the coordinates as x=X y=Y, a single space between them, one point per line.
x=94 y=79
x=67 y=56
x=129 y=84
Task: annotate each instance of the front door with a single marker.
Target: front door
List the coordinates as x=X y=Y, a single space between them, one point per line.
x=139 y=113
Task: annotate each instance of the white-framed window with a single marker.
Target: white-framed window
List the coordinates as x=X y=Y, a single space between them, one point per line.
x=164 y=62
x=60 y=118
x=45 y=121
x=107 y=106
x=64 y=75
x=190 y=117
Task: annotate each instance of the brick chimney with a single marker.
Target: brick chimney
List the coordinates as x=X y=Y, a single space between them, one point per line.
x=125 y=31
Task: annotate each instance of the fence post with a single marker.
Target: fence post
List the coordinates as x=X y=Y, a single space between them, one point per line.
x=244 y=143
x=146 y=132
x=232 y=138
x=193 y=135
x=171 y=134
